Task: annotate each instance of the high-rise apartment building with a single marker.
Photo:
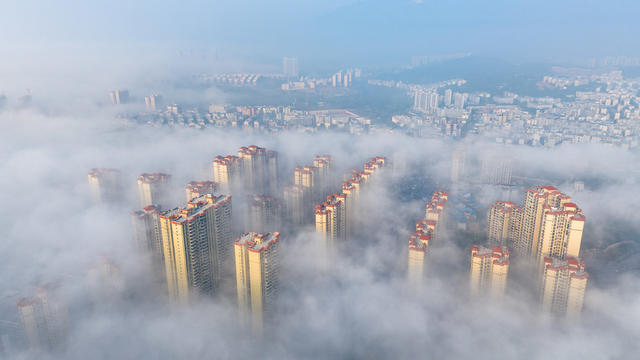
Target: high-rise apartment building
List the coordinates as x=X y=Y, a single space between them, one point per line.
x=458 y=165
x=334 y=215
x=448 y=96
x=564 y=285
x=198 y=188
x=119 y=97
x=290 y=66
x=259 y=168
x=324 y=164
x=153 y=189
x=196 y=240
x=226 y=170
x=148 y=236
x=489 y=270
x=263 y=214
x=504 y=221
x=153 y=102
x=296 y=201
x=105 y=184
x=331 y=220
x=540 y=207
x=435 y=212
x=257 y=270
x=44 y=318
x=308 y=177
x=418 y=250
x=496 y=170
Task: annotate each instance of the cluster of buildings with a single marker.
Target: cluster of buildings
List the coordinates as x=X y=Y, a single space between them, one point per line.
x=192 y=246
x=544 y=234
x=428 y=230
x=340 y=79
x=231 y=79
x=335 y=215
x=255 y=119
x=609 y=114
x=547 y=233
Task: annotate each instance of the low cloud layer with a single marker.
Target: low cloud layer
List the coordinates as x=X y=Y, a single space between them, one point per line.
x=359 y=308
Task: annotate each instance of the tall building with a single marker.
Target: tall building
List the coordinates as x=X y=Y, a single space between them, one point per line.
x=459 y=100
x=105 y=184
x=257 y=270
x=153 y=189
x=418 y=250
x=198 y=188
x=290 y=66
x=504 y=221
x=496 y=170
x=425 y=101
x=489 y=270
x=119 y=97
x=153 y=102
x=563 y=287
x=324 y=164
x=148 y=236
x=225 y=171
x=331 y=220
x=44 y=318
x=536 y=202
x=196 y=240
x=458 y=165
x=259 y=169
x=435 y=212
x=334 y=215
x=448 y=96
x=296 y=199
x=263 y=214
x=561 y=232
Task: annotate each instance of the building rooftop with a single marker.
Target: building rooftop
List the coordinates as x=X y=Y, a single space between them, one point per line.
x=152 y=178
x=258 y=242
x=196 y=207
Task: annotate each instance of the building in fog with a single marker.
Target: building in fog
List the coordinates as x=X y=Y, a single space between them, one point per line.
x=259 y=169
x=119 y=97
x=290 y=66
x=496 y=170
x=504 y=223
x=334 y=216
x=331 y=220
x=458 y=165
x=148 y=236
x=196 y=189
x=263 y=214
x=153 y=189
x=226 y=170
x=106 y=184
x=489 y=270
x=551 y=225
x=257 y=272
x=196 y=241
x=324 y=164
x=435 y=212
x=418 y=251
x=44 y=318
x=563 y=286
x=153 y=102
x=297 y=205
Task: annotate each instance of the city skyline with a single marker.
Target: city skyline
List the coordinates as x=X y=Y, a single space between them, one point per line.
x=361 y=179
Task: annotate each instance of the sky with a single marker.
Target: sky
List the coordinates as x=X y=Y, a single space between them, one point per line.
x=367 y=32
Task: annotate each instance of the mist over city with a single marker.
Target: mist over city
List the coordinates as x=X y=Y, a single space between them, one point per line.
x=320 y=180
